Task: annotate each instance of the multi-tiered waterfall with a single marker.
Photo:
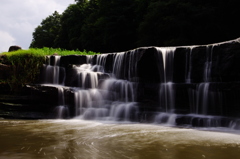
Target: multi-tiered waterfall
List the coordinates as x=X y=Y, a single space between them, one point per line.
x=98 y=93
x=191 y=86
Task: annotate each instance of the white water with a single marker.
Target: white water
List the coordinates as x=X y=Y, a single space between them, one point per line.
x=61 y=109
x=167 y=92
x=52 y=72
x=88 y=75
x=200 y=98
x=113 y=98
x=189 y=66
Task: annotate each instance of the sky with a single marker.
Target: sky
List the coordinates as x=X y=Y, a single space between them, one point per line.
x=19 y=18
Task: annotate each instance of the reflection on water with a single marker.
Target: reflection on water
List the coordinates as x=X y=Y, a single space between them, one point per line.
x=74 y=139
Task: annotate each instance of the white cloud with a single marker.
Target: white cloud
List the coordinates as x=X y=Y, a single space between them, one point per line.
x=19 y=18
x=5 y=41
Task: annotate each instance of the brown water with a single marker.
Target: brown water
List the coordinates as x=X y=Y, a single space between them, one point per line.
x=73 y=139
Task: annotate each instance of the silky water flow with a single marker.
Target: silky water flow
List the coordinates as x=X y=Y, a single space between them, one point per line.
x=111 y=96
x=112 y=99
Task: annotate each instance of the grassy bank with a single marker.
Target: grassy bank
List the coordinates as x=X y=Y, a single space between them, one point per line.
x=48 y=51
x=23 y=66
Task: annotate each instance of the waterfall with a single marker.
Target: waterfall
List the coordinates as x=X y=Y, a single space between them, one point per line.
x=98 y=95
x=52 y=77
x=61 y=110
x=88 y=75
x=89 y=104
x=163 y=85
x=113 y=99
x=189 y=65
x=202 y=97
x=205 y=96
x=53 y=71
x=203 y=88
x=166 y=91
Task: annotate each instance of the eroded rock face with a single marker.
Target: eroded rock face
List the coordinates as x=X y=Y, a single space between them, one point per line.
x=30 y=102
x=5 y=71
x=14 y=48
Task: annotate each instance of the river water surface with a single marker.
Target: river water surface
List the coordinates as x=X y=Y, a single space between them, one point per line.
x=74 y=139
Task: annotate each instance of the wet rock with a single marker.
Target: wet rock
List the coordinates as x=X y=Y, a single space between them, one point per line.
x=14 y=48
x=32 y=102
x=5 y=71
x=72 y=59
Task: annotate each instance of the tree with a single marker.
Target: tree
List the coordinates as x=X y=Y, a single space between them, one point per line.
x=45 y=34
x=71 y=23
x=166 y=23
x=90 y=31
x=118 y=25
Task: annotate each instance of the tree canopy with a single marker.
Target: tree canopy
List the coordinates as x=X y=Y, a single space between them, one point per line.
x=118 y=25
x=46 y=33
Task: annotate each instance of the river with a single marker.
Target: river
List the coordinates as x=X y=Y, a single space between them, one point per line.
x=80 y=139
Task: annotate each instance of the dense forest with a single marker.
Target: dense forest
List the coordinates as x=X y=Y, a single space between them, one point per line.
x=119 y=25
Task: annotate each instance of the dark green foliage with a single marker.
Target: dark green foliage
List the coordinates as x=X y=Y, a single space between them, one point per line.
x=72 y=21
x=46 y=33
x=118 y=25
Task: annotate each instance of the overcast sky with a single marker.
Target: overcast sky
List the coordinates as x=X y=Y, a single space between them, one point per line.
x=19 y=18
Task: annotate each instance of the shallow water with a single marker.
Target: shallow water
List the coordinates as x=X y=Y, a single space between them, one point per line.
x=72 y=139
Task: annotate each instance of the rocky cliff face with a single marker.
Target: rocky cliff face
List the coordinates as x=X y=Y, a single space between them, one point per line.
x=177 y=85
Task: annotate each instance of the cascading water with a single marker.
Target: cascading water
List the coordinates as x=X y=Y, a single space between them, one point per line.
x=87 y=78
x=189 y=65
x=203 y=98
x=52 y=77
x=145 y=84
x=203 y=88
x=53 y=71
x=108 y=98
x=61 y=110
x=166 y=91
x=113 y=99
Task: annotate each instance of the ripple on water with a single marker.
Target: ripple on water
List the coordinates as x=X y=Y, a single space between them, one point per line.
x=90 y=139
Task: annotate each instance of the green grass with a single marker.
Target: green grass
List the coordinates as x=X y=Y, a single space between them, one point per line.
x=48 y=51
